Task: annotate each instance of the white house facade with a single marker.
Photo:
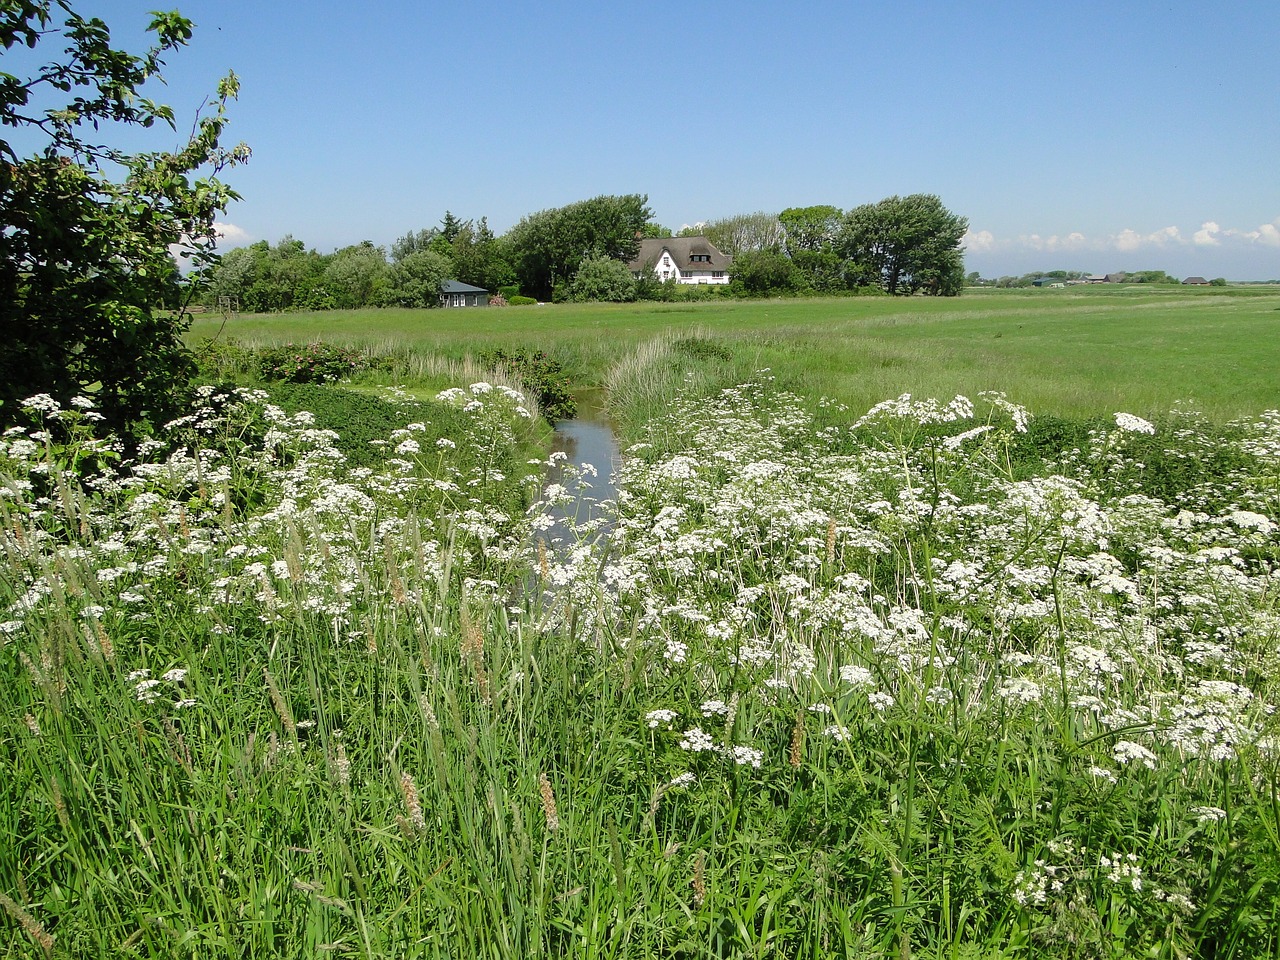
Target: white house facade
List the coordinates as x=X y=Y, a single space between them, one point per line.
x=682 y=259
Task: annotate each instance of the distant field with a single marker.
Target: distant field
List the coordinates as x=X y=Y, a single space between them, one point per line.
x=1079 y=351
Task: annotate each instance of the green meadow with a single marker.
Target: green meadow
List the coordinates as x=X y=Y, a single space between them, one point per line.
x=1078 y=352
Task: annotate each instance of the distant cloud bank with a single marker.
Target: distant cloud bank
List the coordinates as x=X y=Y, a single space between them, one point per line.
x=1210 y=234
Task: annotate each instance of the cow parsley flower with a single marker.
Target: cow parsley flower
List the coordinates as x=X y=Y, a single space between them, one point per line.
x=1126 y=751
x=696 y=741
x=746 y=756
x=1131 y=424
x=654 y=718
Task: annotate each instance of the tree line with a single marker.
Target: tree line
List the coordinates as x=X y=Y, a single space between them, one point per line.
x=900 y=245
x=975 y=279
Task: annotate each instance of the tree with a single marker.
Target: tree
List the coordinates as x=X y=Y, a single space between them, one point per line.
x=354 y=274
x=906 y=244
x=85 y=248
x=547 y=247
x=479 y=258
x=601 y=278
x=761 y=272
x=416 y=280
x=810 y=228
x=267 y=279
x=743 y=232
x=412 y=242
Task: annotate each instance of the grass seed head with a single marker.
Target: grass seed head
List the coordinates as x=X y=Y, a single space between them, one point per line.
x=412 y=805
x=30 y=925
x=796 y=754
x=548 y=803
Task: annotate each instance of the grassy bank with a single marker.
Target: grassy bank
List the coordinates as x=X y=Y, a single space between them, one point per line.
x=854 y=691
x=1079 y=352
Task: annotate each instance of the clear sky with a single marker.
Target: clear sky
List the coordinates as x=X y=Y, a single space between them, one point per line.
x=1090 y=136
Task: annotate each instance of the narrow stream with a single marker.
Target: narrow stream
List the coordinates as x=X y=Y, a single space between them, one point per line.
x=587 y=441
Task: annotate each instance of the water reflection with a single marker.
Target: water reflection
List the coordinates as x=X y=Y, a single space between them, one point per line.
x=591 y=457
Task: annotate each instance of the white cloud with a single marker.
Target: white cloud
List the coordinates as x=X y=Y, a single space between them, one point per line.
x=1268 y=234
x=979 y=241
x=1128 y=240
x=229 y=235
x=1072 y=241
x=1207 y=235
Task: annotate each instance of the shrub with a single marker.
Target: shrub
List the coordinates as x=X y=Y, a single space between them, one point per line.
x=603 y=278
x=510 y=292
x=541 y=374
x=519 y=301
x=314 y=363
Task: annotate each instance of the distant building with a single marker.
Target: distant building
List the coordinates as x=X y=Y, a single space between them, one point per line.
x=1096 y=278
x=1115 y=278
x=1197 y=281
x=456 y=294
x=1046 y=282
x=682 y=259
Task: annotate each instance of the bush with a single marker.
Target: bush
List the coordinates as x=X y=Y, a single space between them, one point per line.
x=314 y=363
x=510 y=292
x=603 y=278
x=519 y=301
x=542 y=375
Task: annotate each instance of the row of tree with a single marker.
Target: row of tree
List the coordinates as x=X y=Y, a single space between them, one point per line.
x=263 y=278
x=975 y=279
x=901 y=245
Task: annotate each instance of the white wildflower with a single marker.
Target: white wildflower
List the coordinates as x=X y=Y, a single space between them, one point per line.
x=1131 y=424
x=654 y=718
x=1126 y=751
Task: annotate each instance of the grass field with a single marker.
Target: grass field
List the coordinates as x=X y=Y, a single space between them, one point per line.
x=1082 y=351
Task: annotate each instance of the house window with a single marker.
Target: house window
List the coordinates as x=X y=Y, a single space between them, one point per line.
x=718 y=274
x=665 y=274
x=459 y=300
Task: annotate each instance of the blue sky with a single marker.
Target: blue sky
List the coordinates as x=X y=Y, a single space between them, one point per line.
x=1100 y=137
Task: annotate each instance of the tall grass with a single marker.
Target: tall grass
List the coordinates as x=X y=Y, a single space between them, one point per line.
x=882 y=688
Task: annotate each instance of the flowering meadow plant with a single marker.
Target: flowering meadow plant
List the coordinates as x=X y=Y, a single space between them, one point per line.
x=874 y=689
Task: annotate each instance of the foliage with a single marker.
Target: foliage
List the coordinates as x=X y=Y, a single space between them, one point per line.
x=478 y=257
x=519 y=301
x=314 y=363
x=820 y=271
x=85 y=251
x=763 y=272
x=1150 y=276
x=908 y=244
x=416 y=280
x=542 y=375
x=287 y=276
x=603 y=278
x=412 y=242
x=361 y=423
x=354 y=275
x=744 y=232
x=810 y=228
x=546 y=248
